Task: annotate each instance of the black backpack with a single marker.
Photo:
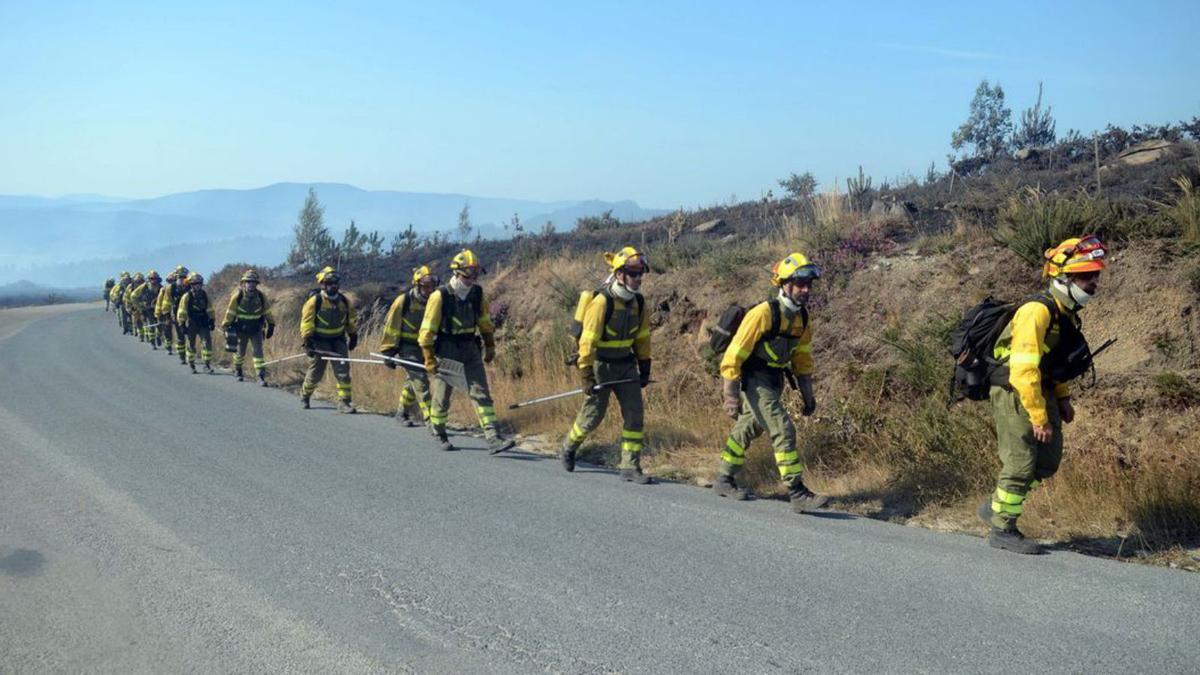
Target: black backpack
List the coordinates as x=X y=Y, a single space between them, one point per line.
x=721 y=333
x=973 y=340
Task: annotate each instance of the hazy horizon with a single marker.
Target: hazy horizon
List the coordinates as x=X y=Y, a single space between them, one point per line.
x=667 y=105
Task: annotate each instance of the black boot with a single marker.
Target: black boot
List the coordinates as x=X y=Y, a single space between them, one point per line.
x=345 y=407
x=804 y=500
x=237 y=370
x=304 y=402
x=405 y=418
x=444 y=443
x=499 y=444
x=1011 y=539
x=193 y=367
x=725 y=486
x=208 y=368
x=262 y=378
x=634 y=473
x=566 y=455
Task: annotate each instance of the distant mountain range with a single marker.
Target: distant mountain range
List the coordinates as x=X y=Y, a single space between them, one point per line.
x=81 y=239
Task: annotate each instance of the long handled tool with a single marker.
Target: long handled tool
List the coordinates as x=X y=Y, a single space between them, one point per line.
x=286 y=358
x=349 y=360
x=449 y=371
x=565 y=394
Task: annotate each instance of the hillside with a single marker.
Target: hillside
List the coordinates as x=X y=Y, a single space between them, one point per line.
x=899 y=269
x=65 y=241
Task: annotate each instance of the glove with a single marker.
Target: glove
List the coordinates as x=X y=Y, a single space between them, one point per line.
x=489 y=348
x=270 y=330
x=212 y=323
x=353 y=342
x=391 y=365
x=431 y=364
x=731 y=397
x=804 y=384
x=644 y=372
x=587 y=378
x=309 y=347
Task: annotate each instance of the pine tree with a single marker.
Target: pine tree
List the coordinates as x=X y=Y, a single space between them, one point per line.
x=310 y=244
x=464 y=223
x=988 y=125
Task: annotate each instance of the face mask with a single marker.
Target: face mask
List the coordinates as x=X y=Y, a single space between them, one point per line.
x=788 y=302
x=331 y=292
x=460 y=289
x=1080 y=296
x=621 y=292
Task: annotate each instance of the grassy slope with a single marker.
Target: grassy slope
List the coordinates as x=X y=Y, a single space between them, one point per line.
x=883 y=442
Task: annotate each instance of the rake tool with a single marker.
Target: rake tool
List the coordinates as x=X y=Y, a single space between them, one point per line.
x=573 y=392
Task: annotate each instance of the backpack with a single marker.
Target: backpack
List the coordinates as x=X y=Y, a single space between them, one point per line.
x=585 y=298
x=720 y=335
x=973 y=340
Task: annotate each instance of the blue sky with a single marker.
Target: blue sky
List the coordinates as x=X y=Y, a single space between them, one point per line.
x=668 y=103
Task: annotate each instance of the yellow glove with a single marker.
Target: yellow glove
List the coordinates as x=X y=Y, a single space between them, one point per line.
x=431 y=364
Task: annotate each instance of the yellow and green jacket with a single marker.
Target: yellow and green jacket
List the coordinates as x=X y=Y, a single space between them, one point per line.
x=248 y=307
x=1026 y=339
x=403 y=324
x=197 y=306
x=117 y=295
x=446 y=315
x=791 y=348
x=163 y=303
x=143 y=298
x=626 y=334
x=335 y=318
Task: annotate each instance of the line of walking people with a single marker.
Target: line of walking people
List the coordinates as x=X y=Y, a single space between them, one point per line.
x=760 y=351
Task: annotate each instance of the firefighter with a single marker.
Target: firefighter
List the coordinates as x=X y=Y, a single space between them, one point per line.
x=400 y=333
x=108 y=286
x=144 y=297
x=248 y=312
x=328 y=328
x=457 y=323
x=195 y=316
x=614 y=347
x=136 y=319
x=772 y=346
x=1040 y=350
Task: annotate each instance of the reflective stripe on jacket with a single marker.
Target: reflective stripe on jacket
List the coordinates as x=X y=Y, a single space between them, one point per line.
x=1025 y=340
x=194 y=305
x=247 y=306
x=625 y=335
x=403 y=326
x=335 y=319
x=791 y=348
x=446 y=315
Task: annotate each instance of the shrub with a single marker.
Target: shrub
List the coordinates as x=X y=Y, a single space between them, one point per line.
x=1033 y=221
x=1175 y=390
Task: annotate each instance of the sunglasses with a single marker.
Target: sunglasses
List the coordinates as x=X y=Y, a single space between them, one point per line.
x=633 y=274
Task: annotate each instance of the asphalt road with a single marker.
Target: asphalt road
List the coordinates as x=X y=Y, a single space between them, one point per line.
x=157 y=521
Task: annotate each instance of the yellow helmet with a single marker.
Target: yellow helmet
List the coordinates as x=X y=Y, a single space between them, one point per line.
x=138 y=277
x=1075 y=256
x=466 y=260
x=172 y=276
x=124 y=275
x=329 y=276
x=421 y=273
x=195 y=278
x=627 y=258
x=181 y=272
x=250 y=275
x=795 y=266
x=153 y=276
